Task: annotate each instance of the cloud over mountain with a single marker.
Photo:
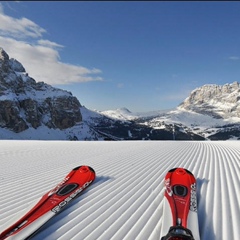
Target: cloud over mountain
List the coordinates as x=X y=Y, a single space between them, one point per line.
x=23 y=39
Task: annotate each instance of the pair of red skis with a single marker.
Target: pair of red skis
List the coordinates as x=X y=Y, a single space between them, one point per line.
x=180 y=205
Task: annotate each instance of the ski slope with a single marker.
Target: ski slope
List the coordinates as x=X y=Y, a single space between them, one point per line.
x=125 y=202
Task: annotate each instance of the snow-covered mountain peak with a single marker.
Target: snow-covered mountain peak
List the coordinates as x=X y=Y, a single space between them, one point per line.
x=9 y=64
x=25 y=103
x=3 y=55
x=120 y=114
x=210 y=91
x=124 y=109
x=215 y=100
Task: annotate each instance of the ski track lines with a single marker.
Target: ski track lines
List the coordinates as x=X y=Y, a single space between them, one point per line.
x=125 y=201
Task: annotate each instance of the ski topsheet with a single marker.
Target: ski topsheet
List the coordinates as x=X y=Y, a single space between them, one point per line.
x=51 y=203
x=180 y=205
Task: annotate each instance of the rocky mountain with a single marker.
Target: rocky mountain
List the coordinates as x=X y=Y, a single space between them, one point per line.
x=214 y=100
x=211 y=112
x=36 y=110
x=25 y=103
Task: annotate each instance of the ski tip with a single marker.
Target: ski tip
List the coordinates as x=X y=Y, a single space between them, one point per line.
x=76 y=168
x=91 y=169
x=180 y=171
x=84 y=168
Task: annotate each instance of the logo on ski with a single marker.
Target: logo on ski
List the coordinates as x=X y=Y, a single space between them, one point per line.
x=168 y=187
x=58 y=186
x=68 y=199
x=193 y=199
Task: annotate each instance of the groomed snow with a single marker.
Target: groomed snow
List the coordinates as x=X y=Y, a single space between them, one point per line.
x=125 y=201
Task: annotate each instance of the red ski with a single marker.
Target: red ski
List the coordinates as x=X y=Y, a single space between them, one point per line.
x=180 y=206
x=51 y=203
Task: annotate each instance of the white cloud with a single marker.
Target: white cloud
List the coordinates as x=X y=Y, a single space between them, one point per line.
x=19 y=28
x=49 y=43
x=22 y=40
x=234 y=58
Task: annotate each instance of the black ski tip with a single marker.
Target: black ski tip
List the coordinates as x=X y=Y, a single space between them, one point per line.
x=188 y=171
x=173 y=169
x=90 y=168
x=76 y=168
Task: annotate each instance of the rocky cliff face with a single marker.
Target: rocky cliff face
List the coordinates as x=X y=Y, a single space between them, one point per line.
x=214 y=100
x=26 y=103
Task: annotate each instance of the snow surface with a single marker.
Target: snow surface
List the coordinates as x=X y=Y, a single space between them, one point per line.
x=126 y=199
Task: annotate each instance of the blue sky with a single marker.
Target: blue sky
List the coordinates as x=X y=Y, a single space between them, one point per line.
x=140 y=55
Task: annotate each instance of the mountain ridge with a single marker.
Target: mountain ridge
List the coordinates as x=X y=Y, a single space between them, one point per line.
x=26 y=103
x=36 y=110
x=216 y=100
